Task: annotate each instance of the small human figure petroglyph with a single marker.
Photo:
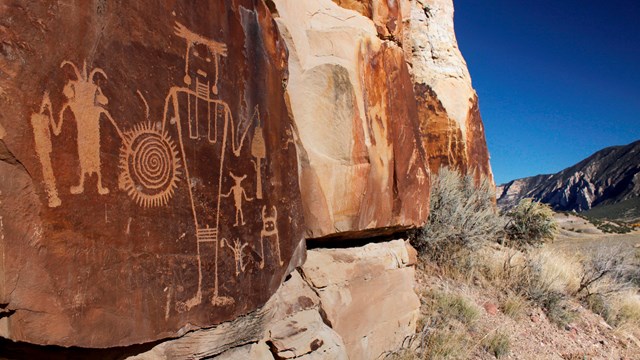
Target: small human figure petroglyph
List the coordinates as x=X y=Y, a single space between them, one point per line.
x=237 y=247
x=86 y=100
x=238 y=194
x=42 y=123
x=270 y=230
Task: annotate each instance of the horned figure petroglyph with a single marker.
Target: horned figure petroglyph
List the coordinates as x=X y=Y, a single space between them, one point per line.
x=42 y=123
x=270 y=230
x=217 y=48
x=86 y=102
x=238 y=194
x=237 y=248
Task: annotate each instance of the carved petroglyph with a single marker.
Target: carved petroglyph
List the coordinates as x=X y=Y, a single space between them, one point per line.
x=238 y=194
x=216 y=48
x=43 y=123
x=270 y=231
x=219 y=124
x=149 y=165
x=85 y=101
x=154 y=157
x=237 y=248
x=259 y=152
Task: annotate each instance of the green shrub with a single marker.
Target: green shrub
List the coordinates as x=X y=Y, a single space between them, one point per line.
x=462 y=215
x=530 y=223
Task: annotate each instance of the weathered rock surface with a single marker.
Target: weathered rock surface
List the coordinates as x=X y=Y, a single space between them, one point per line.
x=367 y=295
x=451 y=126
x=288 y=326
x=362 y=164
x=355 y=303
x=609 y=176
x=148 y=182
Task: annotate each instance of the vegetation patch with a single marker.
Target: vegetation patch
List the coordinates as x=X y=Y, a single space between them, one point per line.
x=530 y=223
x=498 y=344
x=462 y=216
x=514 y=306
x=466 y=241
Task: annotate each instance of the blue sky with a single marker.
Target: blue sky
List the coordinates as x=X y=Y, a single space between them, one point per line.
x=557 y=80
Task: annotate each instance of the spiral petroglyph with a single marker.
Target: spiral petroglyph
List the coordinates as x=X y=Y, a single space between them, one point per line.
x=149 y=166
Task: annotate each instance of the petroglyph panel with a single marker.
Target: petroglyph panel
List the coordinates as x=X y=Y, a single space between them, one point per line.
x=154 y=188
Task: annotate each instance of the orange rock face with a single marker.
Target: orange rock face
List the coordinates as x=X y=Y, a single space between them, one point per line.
x=150 y=177
x=363 y=167
x=452 y=132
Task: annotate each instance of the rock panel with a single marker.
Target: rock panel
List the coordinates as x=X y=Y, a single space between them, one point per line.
x=149 y=168
x=362 y=162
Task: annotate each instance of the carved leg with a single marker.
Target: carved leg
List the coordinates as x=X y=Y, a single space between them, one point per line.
x=79 y=189
x=262 y=251
x=101 y=190
x=241 y=216
x=182 y=306
x=277 y=242
x=50 y=184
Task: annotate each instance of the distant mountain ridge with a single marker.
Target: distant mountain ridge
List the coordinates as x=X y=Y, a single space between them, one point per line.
x=609 y=176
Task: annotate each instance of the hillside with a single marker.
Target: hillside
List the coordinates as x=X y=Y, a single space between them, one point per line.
x=627 y=210
x=609 y=176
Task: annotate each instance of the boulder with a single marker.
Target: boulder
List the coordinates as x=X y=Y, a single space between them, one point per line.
x=258 y=351
x=149 y=182
x=367 y=295
x=305 y=336
x=363 y=169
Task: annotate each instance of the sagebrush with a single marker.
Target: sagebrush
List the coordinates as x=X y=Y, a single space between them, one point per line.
x=530 y=223
x=462 y=215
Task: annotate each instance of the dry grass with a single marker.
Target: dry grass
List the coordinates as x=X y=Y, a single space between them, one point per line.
x=555 y=272
x=514 y=306
x=447 y=305
x=447 y=343
x=624 y=310
x=498 y=344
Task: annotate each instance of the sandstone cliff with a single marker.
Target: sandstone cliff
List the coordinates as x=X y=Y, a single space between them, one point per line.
x=162 y=166
x=609 y=176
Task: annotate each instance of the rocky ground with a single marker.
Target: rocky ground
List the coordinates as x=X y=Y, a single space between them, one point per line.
x=532 y=335
x=485 y=312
